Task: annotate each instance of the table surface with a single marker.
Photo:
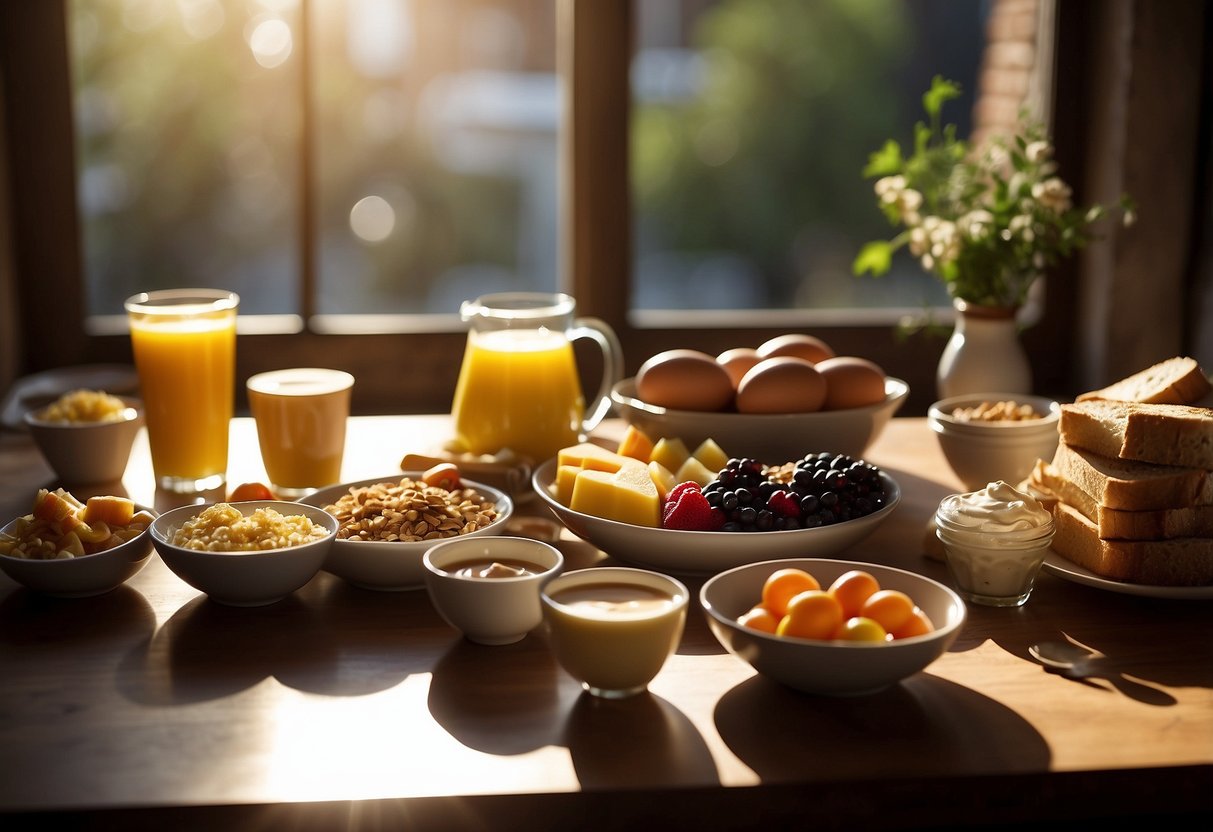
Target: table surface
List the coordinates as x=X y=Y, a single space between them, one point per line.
x=151 y=704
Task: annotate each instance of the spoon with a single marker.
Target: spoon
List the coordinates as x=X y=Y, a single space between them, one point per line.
x=1070 y=660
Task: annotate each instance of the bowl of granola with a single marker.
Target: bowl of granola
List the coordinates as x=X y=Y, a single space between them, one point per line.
x=386 y=525
x=245 y=554
x=86 y=435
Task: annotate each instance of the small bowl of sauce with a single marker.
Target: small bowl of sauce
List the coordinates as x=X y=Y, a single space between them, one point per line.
x=488 y=587
x=612 y=628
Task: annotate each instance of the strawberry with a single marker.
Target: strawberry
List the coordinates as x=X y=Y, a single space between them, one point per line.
x=678 y=490
x=690 y=512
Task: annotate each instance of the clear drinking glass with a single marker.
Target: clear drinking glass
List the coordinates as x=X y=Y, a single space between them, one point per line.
x=184 y=342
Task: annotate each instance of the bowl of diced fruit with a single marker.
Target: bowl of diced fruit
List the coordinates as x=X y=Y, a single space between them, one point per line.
x=73 y=549
x=658 y=506
x=832 y=627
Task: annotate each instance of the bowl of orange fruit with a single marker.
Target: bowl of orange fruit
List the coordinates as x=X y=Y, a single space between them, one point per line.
x=832 y=627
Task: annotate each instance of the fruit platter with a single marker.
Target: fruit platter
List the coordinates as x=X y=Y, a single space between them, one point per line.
x=714 y=515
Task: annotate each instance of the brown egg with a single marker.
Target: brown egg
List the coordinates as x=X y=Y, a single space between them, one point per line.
x=684 y=380
x=737 y=362
x=783 y=384
x=851 y=382
x=801 y=346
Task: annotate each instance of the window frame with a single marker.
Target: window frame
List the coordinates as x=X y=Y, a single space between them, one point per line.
x=415 y=371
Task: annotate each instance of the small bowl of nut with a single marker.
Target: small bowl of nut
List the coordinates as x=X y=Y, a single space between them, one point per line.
x=386 y=524
x=245 y=554
x=70 y=549
x=988 y=437
x=86 y=435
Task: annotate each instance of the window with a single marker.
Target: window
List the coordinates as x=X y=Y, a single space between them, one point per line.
x=370 y=162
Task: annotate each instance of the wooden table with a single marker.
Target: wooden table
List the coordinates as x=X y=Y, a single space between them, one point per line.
x=339 y=707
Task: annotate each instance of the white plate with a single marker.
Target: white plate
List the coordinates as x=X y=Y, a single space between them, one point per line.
x=1063 y=568
x=392 y=566
x=707 y=553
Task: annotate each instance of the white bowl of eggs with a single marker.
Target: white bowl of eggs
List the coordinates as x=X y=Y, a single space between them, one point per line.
x=790 y=396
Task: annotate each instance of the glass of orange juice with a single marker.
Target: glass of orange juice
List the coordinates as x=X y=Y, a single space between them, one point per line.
x=184 y=341
x=518 y=387
x=301 y=415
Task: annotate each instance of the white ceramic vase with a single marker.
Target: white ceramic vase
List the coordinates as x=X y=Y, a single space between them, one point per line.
x=984 y=354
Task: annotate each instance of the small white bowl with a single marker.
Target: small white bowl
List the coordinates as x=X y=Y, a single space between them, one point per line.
x=830 y=668
x=773 y=438
x=245 y=579
x=83 y=453
x=497 y=610
x=981 y=452
x=83 y=576
x=396 y=565
x=706 y=553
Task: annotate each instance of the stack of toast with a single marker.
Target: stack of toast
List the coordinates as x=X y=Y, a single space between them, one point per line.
x=1131 y=483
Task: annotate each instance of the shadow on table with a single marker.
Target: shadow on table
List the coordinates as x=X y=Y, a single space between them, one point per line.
x=514 y=699
x=30 y=619
x=328 y=638
x=1111 y=627
x=923 y=726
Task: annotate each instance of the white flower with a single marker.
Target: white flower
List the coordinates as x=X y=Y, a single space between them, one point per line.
x=889 y=188
x=1053 y=194
x=1038 y=152
x=976 y=224
x=1129 y=218
x=1021 y=226
x=918 y=241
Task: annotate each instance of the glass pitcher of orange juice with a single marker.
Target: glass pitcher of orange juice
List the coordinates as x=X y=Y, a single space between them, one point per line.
x=518 y=387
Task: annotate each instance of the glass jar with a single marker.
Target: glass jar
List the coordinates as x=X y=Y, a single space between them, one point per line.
x=990 y=565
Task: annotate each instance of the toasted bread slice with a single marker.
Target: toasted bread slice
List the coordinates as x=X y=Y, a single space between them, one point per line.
x=1118 y=524
x=1184 y=561
x=1130 y=485
x=1178 y=380
x=1163 y=434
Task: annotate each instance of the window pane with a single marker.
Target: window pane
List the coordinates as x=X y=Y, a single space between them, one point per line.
x=752 y=123
x=187 y=125
x=437 y=151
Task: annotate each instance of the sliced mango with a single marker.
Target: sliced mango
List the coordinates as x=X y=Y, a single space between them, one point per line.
x=694 y=471
x=711 y=455
x=636 y=444
x=588 y=455
x=663 y=478
x=115 y=511
x=670 y=452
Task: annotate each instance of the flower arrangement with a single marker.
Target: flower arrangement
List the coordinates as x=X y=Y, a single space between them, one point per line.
x=986 y=220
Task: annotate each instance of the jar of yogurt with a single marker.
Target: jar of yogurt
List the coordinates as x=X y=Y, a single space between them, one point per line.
x=995 y=540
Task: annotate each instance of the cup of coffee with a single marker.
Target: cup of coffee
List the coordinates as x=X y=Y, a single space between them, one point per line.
x=301 y=415
x=612 y=628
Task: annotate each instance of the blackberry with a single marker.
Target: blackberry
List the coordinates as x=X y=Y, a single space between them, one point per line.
x=821 y=489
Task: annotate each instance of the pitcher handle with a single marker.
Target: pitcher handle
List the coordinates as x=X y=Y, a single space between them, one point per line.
x=612 y=365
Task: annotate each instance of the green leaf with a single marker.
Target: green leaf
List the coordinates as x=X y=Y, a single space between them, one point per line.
x=884 y=162
x=874 y=258
x=941 y=91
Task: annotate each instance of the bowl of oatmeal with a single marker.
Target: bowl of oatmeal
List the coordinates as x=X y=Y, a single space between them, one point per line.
x=86 y=435
x=245 y=554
